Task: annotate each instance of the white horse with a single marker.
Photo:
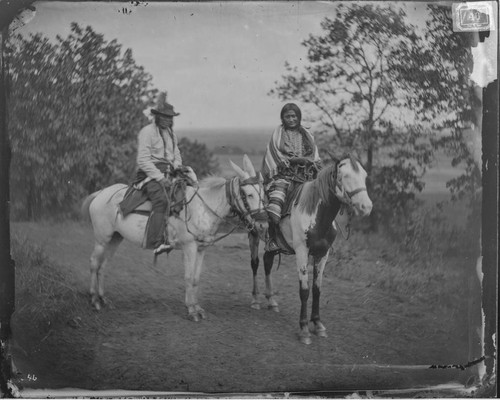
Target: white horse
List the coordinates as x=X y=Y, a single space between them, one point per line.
x=310 y=233
x=192 y=231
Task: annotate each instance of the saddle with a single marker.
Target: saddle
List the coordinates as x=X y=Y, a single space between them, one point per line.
x=136 y=201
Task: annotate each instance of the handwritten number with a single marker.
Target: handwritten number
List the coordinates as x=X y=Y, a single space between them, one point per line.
x=32 y=377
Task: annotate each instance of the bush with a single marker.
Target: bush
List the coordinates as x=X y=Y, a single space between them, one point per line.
x=424 y=255
x=75 y=109
x=43 y=296
x=197 y=156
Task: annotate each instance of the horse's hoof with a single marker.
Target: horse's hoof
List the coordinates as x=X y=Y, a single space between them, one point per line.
x=275 y=308
x=255 y=306
x=319 y=329
x=194 y=317
x=202 y=314
x=305 y=340
x=320 y=333
x=94 y=302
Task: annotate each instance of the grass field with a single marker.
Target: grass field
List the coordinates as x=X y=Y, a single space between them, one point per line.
x=381 y=306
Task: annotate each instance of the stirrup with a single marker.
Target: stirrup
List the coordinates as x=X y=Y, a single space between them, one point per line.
x=162 y=248
x=271 y=246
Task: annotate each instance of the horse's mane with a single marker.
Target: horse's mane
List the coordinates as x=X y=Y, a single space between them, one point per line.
x=318 y=190
x=212 y=182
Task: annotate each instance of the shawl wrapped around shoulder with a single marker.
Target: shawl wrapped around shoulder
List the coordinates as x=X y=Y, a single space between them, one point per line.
x=275 y=152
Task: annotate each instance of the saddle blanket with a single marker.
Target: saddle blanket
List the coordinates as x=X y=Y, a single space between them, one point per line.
x=136 y=200
x=291 y=198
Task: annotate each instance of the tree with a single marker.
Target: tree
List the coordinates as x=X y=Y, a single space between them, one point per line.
x=445 y=96
x=76 y=107
x=197 y=156
x=351 y=83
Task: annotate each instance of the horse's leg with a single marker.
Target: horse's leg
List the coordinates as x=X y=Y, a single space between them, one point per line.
x=301 y=257
x=253 y=240
x=319 y=267
x=268 y=265
x=109 y=253
x=190 y=255
x=196 y=282
x=96 y=259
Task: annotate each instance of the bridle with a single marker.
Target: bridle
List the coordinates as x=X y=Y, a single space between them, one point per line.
x=238 y=201
x=238 y=204
x=345 y=197
x=342 y=194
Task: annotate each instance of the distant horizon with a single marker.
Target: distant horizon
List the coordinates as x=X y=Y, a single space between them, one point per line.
x=235 y=129
x=226 y=129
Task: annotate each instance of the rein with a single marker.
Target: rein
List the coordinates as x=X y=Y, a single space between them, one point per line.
x=238 y=205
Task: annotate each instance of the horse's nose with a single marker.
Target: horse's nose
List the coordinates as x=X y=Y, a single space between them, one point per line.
x=366 y=208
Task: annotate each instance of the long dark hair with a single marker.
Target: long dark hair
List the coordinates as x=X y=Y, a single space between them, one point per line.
x=293 y=107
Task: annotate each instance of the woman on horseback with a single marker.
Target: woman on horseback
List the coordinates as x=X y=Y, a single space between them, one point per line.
x=290 y=142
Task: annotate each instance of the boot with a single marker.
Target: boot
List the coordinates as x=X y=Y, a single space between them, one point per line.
x=165 y=246
x=156 y=237
x=162 y=248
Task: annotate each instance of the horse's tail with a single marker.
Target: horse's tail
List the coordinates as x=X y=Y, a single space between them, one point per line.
x=86 y=205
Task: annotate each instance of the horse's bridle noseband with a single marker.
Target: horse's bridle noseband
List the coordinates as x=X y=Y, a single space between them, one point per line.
x=342 y=194
x=238 y=201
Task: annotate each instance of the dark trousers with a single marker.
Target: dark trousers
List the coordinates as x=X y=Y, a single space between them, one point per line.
x=159 y=196
x=156 y=234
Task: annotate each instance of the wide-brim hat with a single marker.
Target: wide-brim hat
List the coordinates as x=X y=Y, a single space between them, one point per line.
x=162 y=107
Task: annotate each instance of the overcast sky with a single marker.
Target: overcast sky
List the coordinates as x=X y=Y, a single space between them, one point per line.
x=217 y=60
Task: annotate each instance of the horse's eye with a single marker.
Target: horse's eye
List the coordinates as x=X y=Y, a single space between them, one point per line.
x=250 y=196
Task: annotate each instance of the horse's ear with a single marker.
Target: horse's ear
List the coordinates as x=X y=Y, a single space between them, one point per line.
x=261 y=178
x=248 y=166
x=242 y=174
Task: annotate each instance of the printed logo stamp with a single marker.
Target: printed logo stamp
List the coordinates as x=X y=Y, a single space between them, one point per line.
x=473 y=17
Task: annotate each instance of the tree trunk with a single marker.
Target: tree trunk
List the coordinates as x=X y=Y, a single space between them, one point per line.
x=489 y=234
x=369 y=164
x=8 y=10
x=369 y=159
x=7 y=283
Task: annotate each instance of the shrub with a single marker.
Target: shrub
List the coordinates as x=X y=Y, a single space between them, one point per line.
x=43 y=296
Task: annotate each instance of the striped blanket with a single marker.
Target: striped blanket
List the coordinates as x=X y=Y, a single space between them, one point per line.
x=276 y=153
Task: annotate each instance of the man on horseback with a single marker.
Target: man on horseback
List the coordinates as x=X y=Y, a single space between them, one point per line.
x=158 y=156
x=291 y=144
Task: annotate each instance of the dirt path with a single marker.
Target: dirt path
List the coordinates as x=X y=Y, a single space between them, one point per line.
x=144 y=341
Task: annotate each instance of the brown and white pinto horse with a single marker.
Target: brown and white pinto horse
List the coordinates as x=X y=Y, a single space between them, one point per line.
x=309 y=231
x=194 y=228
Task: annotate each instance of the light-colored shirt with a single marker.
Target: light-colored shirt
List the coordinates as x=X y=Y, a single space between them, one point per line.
x=153 y=147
